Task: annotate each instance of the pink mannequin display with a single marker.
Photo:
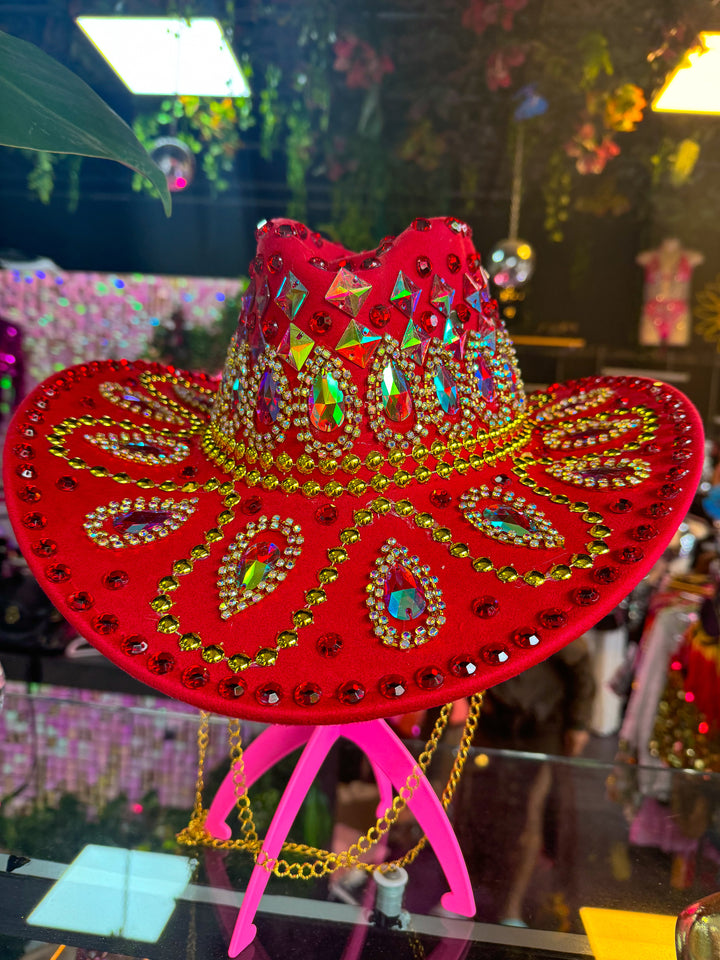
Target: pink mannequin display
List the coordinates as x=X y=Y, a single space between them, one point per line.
x=665 y=318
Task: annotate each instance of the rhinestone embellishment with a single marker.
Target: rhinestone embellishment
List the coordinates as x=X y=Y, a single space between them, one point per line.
x=128 y=523
x=258 y=559
x=150 y=447
x=405 y=295
x=290 y=295
x=602 y=472
x=509 y=518
x=396 y=399
x=326 y=406
x=295 y=347
x=358 y=344
x=401 y=589
x=348 y=292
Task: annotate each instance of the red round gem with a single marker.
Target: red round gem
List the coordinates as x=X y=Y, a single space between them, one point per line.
x=231 y=689
x=27 y=431
x=26 y=470
x=270 y=328
x=35 y=521
x=501 y=479
x=66 y=483
x=676 y=473
x=132 y=646
x=485 y=607
x=646 y=531
x=329 y=644
x=275 y=263
x=652 y=448
x=525 y=639
x=440 y=498
x=423 y=266
x=106 y=623
x=462 y=312
x=87 y=402
x=194 y=677
x=621 y=506
x=385 y=245
x=318 y=262
x=285 y=230
x=586 y=596
x=453 y=263
x=630 y=555
x=495 y=654
x=351 y=692
x=668 y=491
x=251 y=505
x=320 y=322
x=490 y=310
x=307 y=694
x=326 y=514
x=161 y=663
x=463 y=666
x=269 y=695
x=34 y=416
x=258 y=265
x=380 y=315
x=430 y=678
x=116 y=579
x=658 y=510
x=188 y=472
x=24 y=451
x=392 y=687
x=552 y=619
x=30 y=493
x=58 y=572
x=679 y=456
x=427 y=321
x=606 y=574
x=81 y=600
x=420 y=223
x=44 y=548
x=473 y=262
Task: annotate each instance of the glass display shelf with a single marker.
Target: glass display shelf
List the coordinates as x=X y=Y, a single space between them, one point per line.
x=94 y=787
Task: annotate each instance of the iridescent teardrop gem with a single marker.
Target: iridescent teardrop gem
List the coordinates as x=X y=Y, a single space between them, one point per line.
x=509 y=520
x=267 y=407
x=137 y=521
x=485 y=380
x=446 y=390
x=403 y=595
x=256 y=563
x=326 y=402
x=395 y=393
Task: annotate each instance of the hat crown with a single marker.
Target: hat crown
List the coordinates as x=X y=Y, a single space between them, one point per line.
x=345 y=363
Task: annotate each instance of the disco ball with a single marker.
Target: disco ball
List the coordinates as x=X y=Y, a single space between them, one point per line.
x=176 y=161
x=511 y=263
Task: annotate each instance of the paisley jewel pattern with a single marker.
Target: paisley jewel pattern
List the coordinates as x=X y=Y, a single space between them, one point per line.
x=194 y=397
x=148 y=447
x=603 y=472
x=402 y=590
x=128 y=523
x=327 y=395
x=137 y=402
x=589 y=432
x=509 y=518
x=256 y=562
x=578 y=403
x=259 y=401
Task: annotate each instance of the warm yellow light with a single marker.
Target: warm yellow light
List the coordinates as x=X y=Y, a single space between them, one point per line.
x=694 y=86
x=524 y=251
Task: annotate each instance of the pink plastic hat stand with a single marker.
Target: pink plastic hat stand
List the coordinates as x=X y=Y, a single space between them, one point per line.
x=391 y=763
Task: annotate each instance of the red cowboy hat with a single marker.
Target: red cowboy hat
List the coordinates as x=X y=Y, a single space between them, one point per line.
x=367 y=516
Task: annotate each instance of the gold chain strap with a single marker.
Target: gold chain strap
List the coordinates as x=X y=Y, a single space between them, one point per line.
x=325 y=861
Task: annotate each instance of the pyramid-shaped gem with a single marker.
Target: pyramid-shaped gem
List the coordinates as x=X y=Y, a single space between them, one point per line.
x=405 y=295
x=358 y=343
x=454 y=336
x=403 y=595
x=475 y=291
x=348 y=292
x=326 y=403
x=295 y=347
x=262 y=297
x=415 y=343
x=267 y=407
x=446 y=390
x=442 y=295
x=395 y=393
x=290 y=295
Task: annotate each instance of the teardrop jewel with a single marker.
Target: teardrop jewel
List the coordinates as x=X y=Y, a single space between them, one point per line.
x=396 y=398
x=509 y=518
x=267 y=408
x=446 y=390
x=326 y=402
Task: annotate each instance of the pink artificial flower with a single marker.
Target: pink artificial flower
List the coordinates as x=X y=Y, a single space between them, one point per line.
x=498 y=66
x=480 y=15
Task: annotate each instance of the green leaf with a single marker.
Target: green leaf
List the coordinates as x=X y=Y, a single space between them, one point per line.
x=43 y=106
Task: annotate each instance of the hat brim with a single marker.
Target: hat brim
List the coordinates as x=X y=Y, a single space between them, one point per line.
x=511 y=559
